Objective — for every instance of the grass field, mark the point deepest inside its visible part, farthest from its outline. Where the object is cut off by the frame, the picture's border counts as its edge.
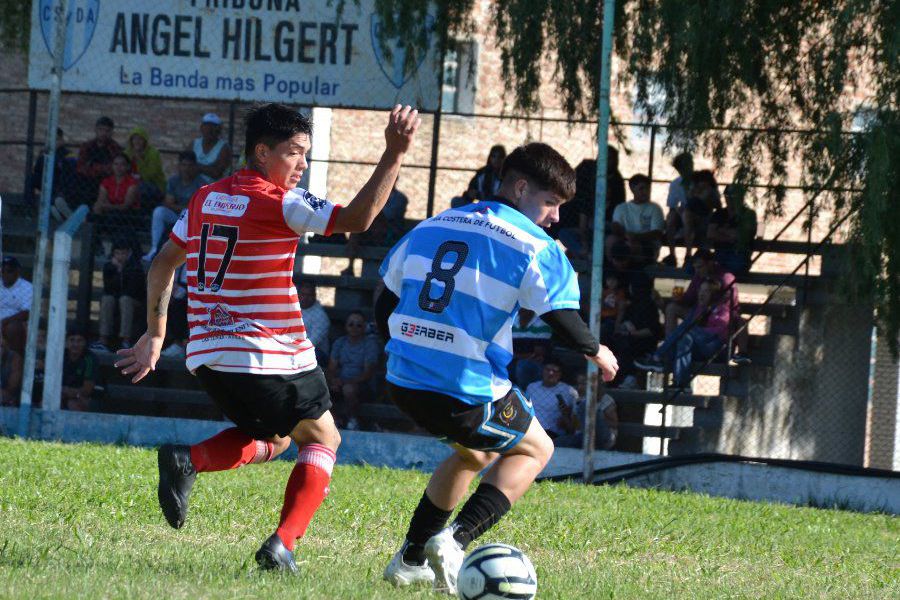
(82, 521)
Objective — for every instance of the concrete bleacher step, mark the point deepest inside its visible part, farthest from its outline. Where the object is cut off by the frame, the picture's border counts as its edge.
(340, 251)
(769, 279)
(652, 431)
(644, 397)
(340, 281)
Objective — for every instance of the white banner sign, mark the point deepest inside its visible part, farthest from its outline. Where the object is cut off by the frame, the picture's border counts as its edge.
(295, 51)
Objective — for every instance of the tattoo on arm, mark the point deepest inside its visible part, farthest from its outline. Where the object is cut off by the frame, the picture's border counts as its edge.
(162, 303)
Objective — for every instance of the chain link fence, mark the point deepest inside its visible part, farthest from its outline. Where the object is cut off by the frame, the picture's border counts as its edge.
(802, 389)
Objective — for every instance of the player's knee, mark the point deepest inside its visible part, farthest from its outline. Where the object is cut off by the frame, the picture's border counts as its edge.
(544, 449)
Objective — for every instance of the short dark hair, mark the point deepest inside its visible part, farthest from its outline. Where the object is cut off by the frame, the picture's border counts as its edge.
(704, 176)
(638, 178)
(106, 121)
(543, 166)
(308, 284)
(187, 155)
(121, 155)
(680, 159)
(271, 124)
(357, 313)
(704, 254)
(76, 330)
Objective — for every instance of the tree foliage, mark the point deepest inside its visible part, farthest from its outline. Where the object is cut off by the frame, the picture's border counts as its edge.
(758, 85)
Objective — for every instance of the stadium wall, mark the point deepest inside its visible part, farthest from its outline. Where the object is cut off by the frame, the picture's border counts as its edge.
(394, 450)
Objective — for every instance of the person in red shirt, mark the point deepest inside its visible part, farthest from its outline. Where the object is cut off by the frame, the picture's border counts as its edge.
(119, 191)
(248, 344)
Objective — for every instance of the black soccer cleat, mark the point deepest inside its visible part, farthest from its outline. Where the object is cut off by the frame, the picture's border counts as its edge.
(274, 556)
(176, 478)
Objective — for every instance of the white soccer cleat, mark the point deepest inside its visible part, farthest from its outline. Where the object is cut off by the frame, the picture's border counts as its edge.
(445, 556)
(400, 574)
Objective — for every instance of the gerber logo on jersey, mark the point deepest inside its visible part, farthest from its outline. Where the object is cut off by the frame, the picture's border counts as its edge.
(225, 205)
(413, 330)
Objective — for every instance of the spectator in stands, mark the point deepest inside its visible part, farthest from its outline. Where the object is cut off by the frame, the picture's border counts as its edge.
(607, 421)
(705, 267)
(554, 402)
(95, 160)
(394, 215)
(732, 230)
(676, 201)
(612, 304)
(640, 222)
(213, 153)
(576, 218)
(703, 200)
(15, 304)
(486, 181)
(531, 347)
(10, 375)
(64, 178)
(354, 358)
(699, 337)
(316, 321)
(147, 165)
(119, 192)
(123, 291)
(638, 333)
(79, 373)
(179, 190)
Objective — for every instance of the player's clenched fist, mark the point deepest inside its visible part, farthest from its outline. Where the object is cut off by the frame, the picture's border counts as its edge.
(402, 125)
(606, 362)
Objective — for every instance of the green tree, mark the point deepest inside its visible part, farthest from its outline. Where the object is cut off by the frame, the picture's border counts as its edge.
(734, 75)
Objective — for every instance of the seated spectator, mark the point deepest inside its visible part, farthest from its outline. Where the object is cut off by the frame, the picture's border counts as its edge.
(147, 165)
(351, 367)
(316, 321)
(554, 402)
(640, 222)
(732, 230)
(699, 337)
(177, 329)
(638, 332)
(677, 201)
(179, 190)
(15, 304)
(213, 153)
(531, 347)
(461, 200)
(65, 184)
(607, 429)
(118, 192)
(612, 300)
(576, 217)
(703, 200)
(79, 373)
(123, 291)
(394, 214)
(486, 181)
(10, 374)
(95, 160)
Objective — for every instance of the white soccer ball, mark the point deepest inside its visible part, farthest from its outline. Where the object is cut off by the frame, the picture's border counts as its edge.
(494, 572)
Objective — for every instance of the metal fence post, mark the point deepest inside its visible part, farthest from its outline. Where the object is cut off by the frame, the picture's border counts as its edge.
(34, 316)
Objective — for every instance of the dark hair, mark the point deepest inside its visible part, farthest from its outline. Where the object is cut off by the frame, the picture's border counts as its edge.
(553, 363)
(612, 158)
(680, 159)
(638, 178)
(121, 155)
(122, 244)
(543, 166)
(357, 313)
(703, 254)
(59, 132)
(105, 121)
(704, 176)
(309, 284)
(271, 124)
(76, 330)
(497, 148)
(187, 155)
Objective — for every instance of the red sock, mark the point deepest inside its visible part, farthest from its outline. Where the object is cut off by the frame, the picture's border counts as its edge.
(229, 450)
(306, 488)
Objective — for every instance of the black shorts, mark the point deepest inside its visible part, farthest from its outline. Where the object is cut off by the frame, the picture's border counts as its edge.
(495, 427)
(263, 406)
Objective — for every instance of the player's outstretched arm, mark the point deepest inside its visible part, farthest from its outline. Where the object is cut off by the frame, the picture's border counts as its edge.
(141, 358)
(399, 133)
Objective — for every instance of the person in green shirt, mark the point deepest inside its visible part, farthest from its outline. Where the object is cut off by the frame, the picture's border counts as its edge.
(146, 162)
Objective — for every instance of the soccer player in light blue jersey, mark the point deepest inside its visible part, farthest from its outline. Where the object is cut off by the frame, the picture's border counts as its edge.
(453, 286)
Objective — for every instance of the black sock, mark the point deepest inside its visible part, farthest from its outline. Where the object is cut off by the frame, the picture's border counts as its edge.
(426, 521)
(484, 508)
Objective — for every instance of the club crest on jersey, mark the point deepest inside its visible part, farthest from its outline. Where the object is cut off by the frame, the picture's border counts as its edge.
(219, 317)
(225, 205)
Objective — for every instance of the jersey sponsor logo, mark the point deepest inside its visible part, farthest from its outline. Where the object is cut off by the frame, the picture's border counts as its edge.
(508, 413)
(225, 205)
(413, 330)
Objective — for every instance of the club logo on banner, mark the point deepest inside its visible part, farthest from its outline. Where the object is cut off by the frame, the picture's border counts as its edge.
(393, 67)
(81, 22)
(293, 51)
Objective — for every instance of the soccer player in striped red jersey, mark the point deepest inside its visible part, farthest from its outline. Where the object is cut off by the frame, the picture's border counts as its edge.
(248, 345)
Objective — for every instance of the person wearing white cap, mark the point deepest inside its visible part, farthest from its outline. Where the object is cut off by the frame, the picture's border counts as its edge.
(213, 153)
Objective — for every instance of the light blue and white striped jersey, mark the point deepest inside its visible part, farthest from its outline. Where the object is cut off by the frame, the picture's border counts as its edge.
(461, 277)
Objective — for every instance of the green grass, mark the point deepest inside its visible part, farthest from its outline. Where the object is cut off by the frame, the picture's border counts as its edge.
(82, 521)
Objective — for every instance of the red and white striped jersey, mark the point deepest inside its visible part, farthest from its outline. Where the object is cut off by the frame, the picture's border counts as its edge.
(240, 235)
